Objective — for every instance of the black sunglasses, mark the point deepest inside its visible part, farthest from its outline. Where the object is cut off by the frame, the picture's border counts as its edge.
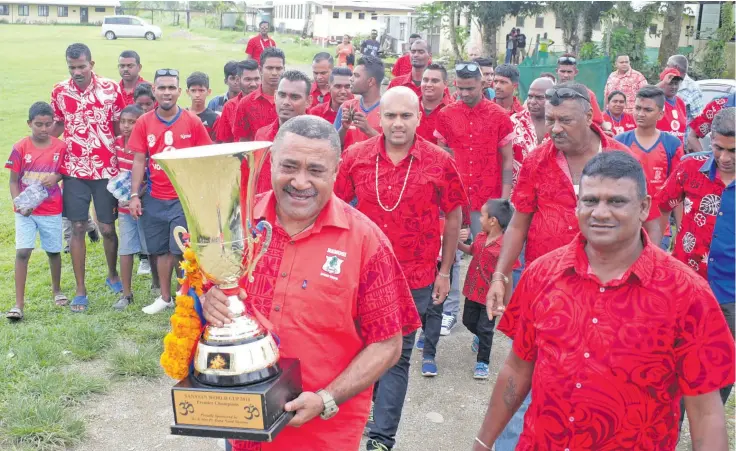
(167, 73)
(556, 95)
(567, 60)
(472, 67)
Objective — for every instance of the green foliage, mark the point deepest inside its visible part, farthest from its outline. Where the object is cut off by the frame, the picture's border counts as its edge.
(713, 61)
(141, 361)
(589, 51)
(39, 423)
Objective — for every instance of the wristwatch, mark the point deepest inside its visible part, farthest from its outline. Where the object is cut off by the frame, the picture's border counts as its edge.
(331, 408)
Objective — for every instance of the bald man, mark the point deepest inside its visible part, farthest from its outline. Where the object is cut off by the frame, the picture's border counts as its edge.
(474, 51)
(535, 104)
(404, 184)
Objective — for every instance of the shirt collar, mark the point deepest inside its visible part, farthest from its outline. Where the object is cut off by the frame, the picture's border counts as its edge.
(710, 168)
(92, 82)
(414, 151)
(332, 214)
(316, 91)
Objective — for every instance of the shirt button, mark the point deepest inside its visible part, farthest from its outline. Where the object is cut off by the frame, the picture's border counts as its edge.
(578, 385)
(277, 308)
(572, 419)
(710, 259)
(283, 274)
(385, 225)
(292, 242)
(720, 213)
(602, 289)
(586, 355)
(567, 449)
(569, 228)
(595, 320)
(389, 187)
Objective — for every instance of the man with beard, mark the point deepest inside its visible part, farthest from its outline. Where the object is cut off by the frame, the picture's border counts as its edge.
(249, 79)
(420, 58)
(403, 184)
(359, 119)
(260, 42)
(402, 66)
(257, 108)
(339, 94)
(87, 111)
(322, 65)
(129, 67)
(292, 99)
(165, 129)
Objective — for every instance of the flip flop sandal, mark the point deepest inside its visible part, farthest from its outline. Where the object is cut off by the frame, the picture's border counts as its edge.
(60, 300)
(116, 287)
(14, 314)
(81, 303)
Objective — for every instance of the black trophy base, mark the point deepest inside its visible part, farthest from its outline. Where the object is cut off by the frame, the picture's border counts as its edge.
(249, 412)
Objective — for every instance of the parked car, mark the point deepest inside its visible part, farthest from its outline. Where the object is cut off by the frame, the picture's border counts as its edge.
(114, 27)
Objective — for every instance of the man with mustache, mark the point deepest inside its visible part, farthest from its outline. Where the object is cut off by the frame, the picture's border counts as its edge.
(249, 79)
(292, 99)
(420, 59)
(260, 42)
(332, 288)
(545, 198)
(403, 183)
(402, 66)
(339, 94)
(129, 67)
(87, 111)
(257, 109)
(164, 129)
(322, 65)
(610, 332)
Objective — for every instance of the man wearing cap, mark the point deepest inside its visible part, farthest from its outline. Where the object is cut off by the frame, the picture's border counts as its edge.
(689, 91)
(675, 114)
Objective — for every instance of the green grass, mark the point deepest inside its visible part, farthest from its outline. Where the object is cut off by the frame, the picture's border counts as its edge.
(44, 359)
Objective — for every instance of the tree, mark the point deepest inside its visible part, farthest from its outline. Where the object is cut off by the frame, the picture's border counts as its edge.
(445, 14)
(593, 14)
(570, 18)
(670, 31)
(489, 16)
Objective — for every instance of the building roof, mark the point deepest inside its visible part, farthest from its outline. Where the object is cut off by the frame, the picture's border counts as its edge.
(107, 3)
(366, 6)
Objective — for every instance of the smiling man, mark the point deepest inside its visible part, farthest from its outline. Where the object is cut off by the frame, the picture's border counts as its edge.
(339, 94)
(610, 332)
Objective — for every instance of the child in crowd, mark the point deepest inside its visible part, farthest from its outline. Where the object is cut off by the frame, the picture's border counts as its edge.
(131, 239)
(35, 160)
(495, 216)
(198, 88)
(143, 97)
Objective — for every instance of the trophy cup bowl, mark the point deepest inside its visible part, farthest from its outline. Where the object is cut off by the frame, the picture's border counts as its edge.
(239, 385)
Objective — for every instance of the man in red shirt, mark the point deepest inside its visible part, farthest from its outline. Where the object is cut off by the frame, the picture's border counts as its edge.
(478, 133)
(674, 120)
(433, 100)
(249, 79)
(260, 42)
(129, 66)
(292, 100)
(402, 66)
(322, 65)
(567, 69)
(359, 119)
(332, 288)
(257, 108)
(420, 56)
(535, 101)
(505, 83)
(87, 110)
(339, 94)
(165, 129)
(384, 173)
(610, 332)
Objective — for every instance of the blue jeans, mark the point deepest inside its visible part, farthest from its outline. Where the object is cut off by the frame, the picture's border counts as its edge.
(390, 390)
(509, 55)
(509, 437)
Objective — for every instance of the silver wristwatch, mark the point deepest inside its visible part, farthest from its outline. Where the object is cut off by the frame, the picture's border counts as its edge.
(331, 408)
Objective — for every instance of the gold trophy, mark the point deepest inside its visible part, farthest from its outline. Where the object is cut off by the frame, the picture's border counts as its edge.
(239, 385)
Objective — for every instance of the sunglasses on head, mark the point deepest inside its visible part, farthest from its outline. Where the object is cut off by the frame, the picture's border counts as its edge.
(167, 73)
(567, 60)
(556, 95)
(472, 67)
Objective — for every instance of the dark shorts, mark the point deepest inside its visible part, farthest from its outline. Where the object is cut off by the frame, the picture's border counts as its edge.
(77, 194)
(158, 220)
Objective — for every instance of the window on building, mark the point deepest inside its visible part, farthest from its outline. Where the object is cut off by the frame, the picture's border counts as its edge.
(23, 10)
(374, 16)
(519, 21)
(361, 16)
(709, 20)
(336, 14)
(62, 11)
(539, 22)
(43, 10)
(348, 15)
(653, 29)
(558, 22)
(301, 11)
(4, 10)
(99, 9)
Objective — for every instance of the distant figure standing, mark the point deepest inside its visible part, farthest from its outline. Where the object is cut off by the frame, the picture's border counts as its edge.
(544, 45)
(370, 47)
(257, 44)
(510, 44)
(520, 50)
(345, 52)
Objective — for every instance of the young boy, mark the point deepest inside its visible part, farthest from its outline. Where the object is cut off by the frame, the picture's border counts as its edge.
(495, 216)
(143, 97)
(130, 236)
(36, 159)
(232, 81)
(198, 88)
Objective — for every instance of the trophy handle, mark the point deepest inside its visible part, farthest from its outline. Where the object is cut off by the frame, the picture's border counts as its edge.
(178, 232)
(261, 226)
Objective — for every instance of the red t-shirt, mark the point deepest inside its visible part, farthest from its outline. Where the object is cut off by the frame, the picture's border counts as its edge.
(597, 115)
(128, 96)
(329, 291)
(402, 66)
(612, 360)
(254, 111)
(422, 185)
(224, 129)
(659, 161)
(33, 165)
(674, 120)
(481, 267)
(476, 136)
(353, 135)
(325, 111)
(256, 46)
(622, 124)
(151, 135)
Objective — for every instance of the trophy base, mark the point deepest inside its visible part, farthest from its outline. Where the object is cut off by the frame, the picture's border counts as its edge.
(251, 412)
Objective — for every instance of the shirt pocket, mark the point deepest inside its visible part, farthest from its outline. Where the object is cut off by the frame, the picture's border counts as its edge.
(326, 306)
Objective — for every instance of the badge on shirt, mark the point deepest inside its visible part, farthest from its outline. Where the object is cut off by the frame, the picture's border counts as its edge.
(151, 140)
(332, 265)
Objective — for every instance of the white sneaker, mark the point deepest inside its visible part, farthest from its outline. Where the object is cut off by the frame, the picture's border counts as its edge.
(448, 322)
(158, 306)
(144, 267)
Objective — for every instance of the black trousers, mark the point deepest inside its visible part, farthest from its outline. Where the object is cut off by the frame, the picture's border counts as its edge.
(475, 318)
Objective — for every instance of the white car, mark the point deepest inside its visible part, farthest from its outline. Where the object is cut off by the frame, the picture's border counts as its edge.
(114, 27)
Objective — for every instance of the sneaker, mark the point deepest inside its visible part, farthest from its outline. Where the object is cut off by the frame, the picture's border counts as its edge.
(375, 445)
(123, 302)
(420, 341)
(144, 267)
(481, 371)
(475, 344)
(429, 367)
(159, 305)
(448, 322)
(370, 424)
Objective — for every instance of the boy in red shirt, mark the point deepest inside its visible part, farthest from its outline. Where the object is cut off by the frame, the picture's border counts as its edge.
(34, 160)
(495, 216)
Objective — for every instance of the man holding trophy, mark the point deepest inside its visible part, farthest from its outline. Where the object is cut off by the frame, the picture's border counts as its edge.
(328, 285)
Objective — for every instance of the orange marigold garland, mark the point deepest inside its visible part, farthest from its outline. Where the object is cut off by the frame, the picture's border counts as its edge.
(186, 324)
